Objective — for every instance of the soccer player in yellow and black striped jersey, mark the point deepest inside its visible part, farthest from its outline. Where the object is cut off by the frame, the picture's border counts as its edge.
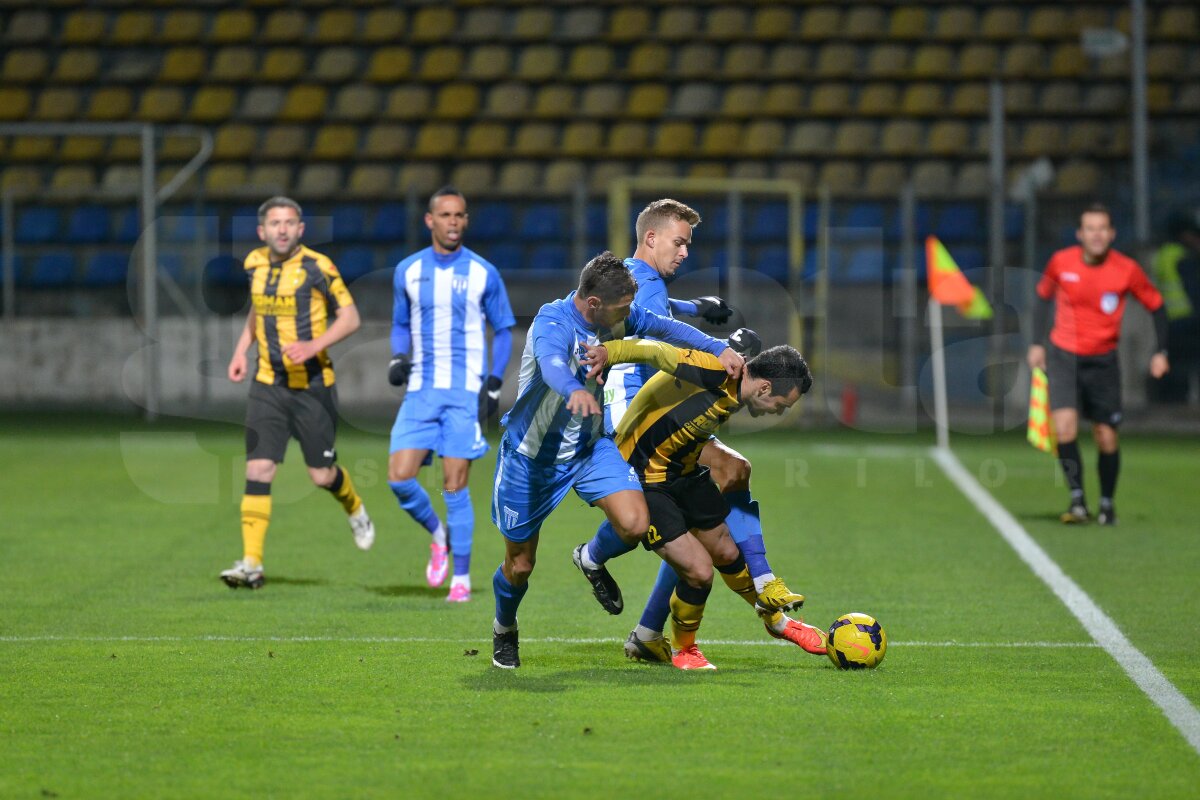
(299, 307)
(661, 435)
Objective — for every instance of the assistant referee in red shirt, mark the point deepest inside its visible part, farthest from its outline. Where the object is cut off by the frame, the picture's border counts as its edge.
(1087, 285)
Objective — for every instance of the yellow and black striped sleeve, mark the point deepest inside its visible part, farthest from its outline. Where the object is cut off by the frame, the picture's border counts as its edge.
(694, 366)
(334, 288)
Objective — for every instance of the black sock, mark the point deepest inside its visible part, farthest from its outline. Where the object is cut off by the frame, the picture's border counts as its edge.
(1068, 457)
(1110, 465)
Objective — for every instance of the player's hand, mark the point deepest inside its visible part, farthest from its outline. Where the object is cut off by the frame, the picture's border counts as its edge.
(300, 351)
(237, 367)
(1036, 357)
(595, 358)
(713, 309)
(582, 403)
(1159, 365)
(489, 398)
(732, 362)
(399, 369)
(745, 342)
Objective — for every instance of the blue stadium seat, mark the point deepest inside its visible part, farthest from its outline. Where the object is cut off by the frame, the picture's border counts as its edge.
(865, 215)
(772, 261)
(507, 257)
(88, 225)
(960, 222)
(549, 258)
(243, 226)
(38, 225)
(390, 223)
(968, 257)
(768, 222)
(225, 270)
(393, 257)
(106, 269)
(490, 222)
(924, 216)
(172, 264)
(1014, 221)
(597, 222)
(714, 222)
(810, 263)
(542, 223)
(130, 226)
(865, 265)
(53, 269)
(349, 224)
(354, 262)
(184, 226)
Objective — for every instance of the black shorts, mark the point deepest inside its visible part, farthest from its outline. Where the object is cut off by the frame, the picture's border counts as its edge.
(677, 506)
(276, 413)
(1091, 384)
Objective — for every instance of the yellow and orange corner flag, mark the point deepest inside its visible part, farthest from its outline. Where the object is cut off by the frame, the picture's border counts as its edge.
(1040, 432)
(947, 284)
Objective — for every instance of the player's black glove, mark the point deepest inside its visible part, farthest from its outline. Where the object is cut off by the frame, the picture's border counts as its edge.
(745, 343)
(713, 309)
(399, 369)
(489, 398)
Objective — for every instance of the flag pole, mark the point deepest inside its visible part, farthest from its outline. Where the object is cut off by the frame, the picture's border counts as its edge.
(940, 413)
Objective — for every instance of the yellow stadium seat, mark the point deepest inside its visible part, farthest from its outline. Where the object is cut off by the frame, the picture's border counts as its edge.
(22, 178)
(319, 180)
(698, 60)
(508, 100)
(29, 26)
(86, 26)
(234, 64)
(1119, 142)
(436, 140)
(15, 103)
(433, 24)
(830, 99)
(554, 101)
(181, 26)
(177, 148)
(628, 24)
(1067, 61)
(742, 100)
(81, 148)
(583, 139)
(694, 100)
(1115, 67)
(25, 65)
(1178, 22)
(1050, 22)
(883, 177)
(602, 100)
(121, 177)
(888, 60)
(383, 25)
(726, 23)
(783, 100)
(486, 140)
(978, 61)
(1041, 139)
(745, 61)
(77, 66)
(811, 138)
(647, 100)
(1060, 96)
(590, 62)
(356, 102)
(628, 139)
(956, 23)
(580, 24)
(1189, 98)
(1165, 61)
(539, 62)
(232, 25)
(1019, 97)
(488, 62)
(1159, 97)
(678, 24)
(1090, 16)
(789, 62)
(933, 62)
(909, 22)
(1087, 137)
(533, 24)
(1001, 22)
(407, 101)
(933, 177)
(773, 23)
(1077, 177)
(387, 142)
(865, 22)
(268, 179)
(855, 138)
(420, 177)
(109, 103)
(563, 176)
(949, 138)
(901, 138)
(535, 139)
(1024, 60)
(336, 64)
(390, 65)
(235, 141)
(31, 148)
(922, 98)
(752, 170)
(132, 28)
(840, 176)
(720, 139)
(371, 180)
(223, 179)
(674, 139)
(709, 169)
(837, 60)
(764, 138)
(661, 168)
(57, 104)
(183, 65)
(335, 142)
(473, 177)
(73, 179)
(284, 142)
(304, 103)
(212, 104)
(972, 180)
(648, 60)
(335, 26)
(285, 26)
(284, 64)
(878, 99)
(821, 23)
(261, 103)
(482, 24)
(519, 177)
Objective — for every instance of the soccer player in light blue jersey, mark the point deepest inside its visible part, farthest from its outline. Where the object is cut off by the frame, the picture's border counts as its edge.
(444, 295)
(554, 437)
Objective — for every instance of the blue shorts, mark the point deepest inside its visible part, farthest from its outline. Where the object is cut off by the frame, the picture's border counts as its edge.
(443, 422)
(524, 493)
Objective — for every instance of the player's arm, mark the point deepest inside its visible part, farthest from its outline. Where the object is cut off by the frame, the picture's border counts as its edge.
(552, 343)
(1043, 315)
(1152, 300)
(345, 323)
(500, 317)
(400, 366)
(642, 322)
(237, 364)
(693, 366)
(711, 308)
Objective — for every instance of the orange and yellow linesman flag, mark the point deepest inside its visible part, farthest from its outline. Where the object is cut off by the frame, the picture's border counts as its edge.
(948, 285)
(1040, 432)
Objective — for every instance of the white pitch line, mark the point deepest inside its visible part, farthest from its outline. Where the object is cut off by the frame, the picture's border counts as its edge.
(1177, 708)
(532, 640)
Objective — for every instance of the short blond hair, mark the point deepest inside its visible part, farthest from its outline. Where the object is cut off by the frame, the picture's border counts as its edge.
(660, 212)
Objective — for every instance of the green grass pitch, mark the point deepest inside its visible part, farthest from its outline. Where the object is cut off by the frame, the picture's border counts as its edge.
(129, 670)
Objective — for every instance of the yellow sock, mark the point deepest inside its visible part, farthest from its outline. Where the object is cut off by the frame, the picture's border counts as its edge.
(740, 581)
(686, 614)
(343, 489)
(256, 517)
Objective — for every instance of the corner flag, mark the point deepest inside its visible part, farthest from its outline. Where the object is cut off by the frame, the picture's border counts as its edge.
(1039, 432)
(948, 286)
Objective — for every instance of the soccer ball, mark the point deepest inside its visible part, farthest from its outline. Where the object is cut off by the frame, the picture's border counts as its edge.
(856, 641)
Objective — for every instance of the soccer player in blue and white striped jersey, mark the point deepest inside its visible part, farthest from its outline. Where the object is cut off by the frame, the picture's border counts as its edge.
(444, 295)
(554, 437)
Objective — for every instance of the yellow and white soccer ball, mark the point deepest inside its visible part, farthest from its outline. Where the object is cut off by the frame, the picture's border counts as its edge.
(856, 641)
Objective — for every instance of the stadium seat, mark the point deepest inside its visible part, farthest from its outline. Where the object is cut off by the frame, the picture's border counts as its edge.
(336, 142)
(837, 60)
(77, 66)
(726, 23)
(212, 104)
(81, 148)
(970, 99)
(933, 62)
(261, 103)
(232, 25)
(371, 180)
(481, 24)
(744, 61)
(284, 142)
(957, 23)
(972, 180)
(648, 61)
(160, 104)
(335, 26)
(1178, 22)
(549, 258)
(84, 26)
(73, 180)
(830, 99)
(268, 179)
(647, 100)
(488, 62)
(811, 138)
(542, 222)
(865, 22)
(31, 148)
(384, 25)
(408, 102)
(888, 60)
(284, 26)
(336, 65)
(441, 63)
(590, 62)
(949, 138)
(820, 23)
(391, 223)
(783, 100)
(959, 222)
(38, 225)
(882, 178)
(506, 257)
(978, 61)
(357, 102)
(456, 101)
(773, 22)
(628, 139)
(602, 100)
(224, 179)
(772, 261)
(182, 26)
(909, 22)
(492, 222)
(694, 100)
(720, 139)
(183, 65)
(29, 26)
(432, 24)
(354, 262)
(422, 178)
(57, 104)
(1077, 177)
(678, 24)
(878, 100)
(1041, 139)
(508, 100)
(55, 268)
(789, 62)
(1001, 22)
(1049, 22)
(674, 140)
(855, 137)
(486, 140)
(535, 139)
(106, 269)
(284, 64)
(390, 65)
(539, 62)
(15, 103)
(87, 225)
(234, 64)
(533, 23)
(901, 138)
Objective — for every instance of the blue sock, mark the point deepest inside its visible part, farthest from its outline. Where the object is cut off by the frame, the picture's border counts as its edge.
(508, 598)
(415, 500)
(658, 606)
(606, 544)
(460, 519)
(746, 530)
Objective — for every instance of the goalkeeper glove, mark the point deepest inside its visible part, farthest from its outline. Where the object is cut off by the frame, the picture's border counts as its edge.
(489, 398)
(745, 343)
(713, 309)
(399, 369)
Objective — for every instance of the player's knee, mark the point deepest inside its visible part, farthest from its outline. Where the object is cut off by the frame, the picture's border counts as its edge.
(260, 471)
(397, 473)
(454, 484)
(738, 479)
(698, 575)
(632, 524)
(323, 476)
(519, 568)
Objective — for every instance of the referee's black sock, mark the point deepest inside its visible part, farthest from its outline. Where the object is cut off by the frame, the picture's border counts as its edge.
(1068, 457)
(1110, 466)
